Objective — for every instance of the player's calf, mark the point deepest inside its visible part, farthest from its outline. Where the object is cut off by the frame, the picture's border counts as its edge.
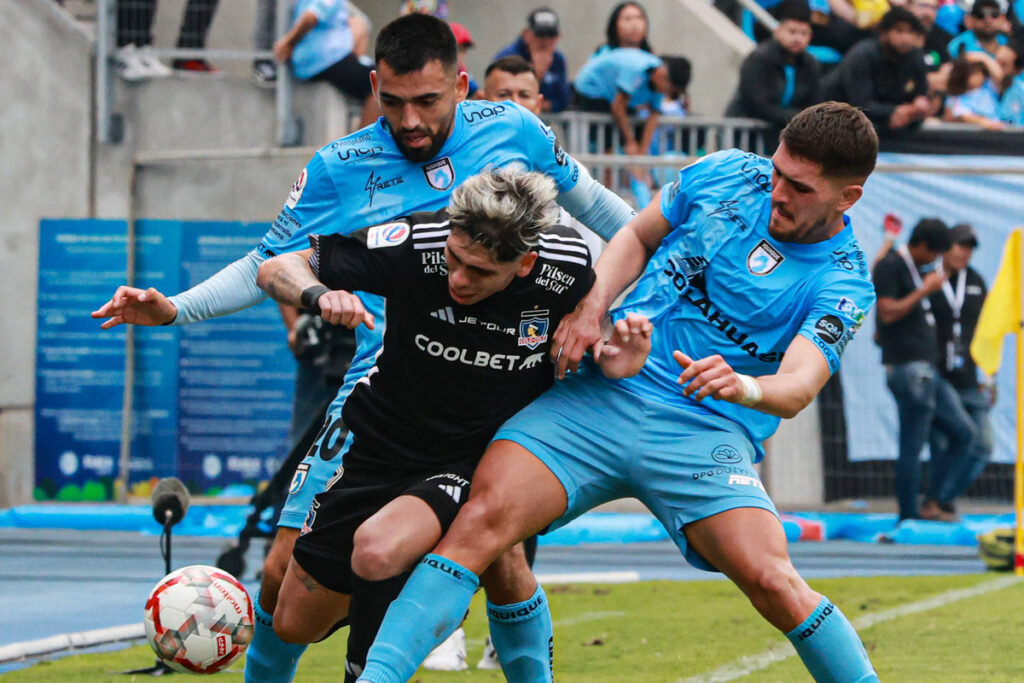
(306, 610)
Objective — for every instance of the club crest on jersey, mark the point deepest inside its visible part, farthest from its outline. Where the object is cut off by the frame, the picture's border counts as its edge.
(295, 194)
(533, 329)
(387, 235)
(763, 259)
(440, 174)
(299, 478)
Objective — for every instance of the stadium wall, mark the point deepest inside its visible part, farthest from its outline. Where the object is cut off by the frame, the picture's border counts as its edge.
(46, 141)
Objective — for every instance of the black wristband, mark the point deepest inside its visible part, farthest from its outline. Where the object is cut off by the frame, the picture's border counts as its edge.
(311, 295)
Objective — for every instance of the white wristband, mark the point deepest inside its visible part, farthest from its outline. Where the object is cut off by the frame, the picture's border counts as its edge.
(751, 391)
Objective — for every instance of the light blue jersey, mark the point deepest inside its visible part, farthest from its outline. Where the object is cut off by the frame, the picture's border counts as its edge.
(362, 180)
(982, 101)
(327, 43)
(1011, 106)
(720, 284)
(622, 69)
(968, 42)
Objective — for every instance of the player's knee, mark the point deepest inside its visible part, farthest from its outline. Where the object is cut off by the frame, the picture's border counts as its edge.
(777, 585)
(486, 524)
(290, 626)
(375, 555)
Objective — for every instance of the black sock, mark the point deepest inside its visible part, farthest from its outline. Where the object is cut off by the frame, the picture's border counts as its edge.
(370, 601)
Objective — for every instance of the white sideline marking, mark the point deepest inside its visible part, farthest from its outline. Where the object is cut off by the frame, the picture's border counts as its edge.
(748, 664)
(588, 616)
(589, 577)
(71, 641)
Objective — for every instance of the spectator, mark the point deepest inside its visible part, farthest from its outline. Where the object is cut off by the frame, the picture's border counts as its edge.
(986, 28)
(627, 27)
(779, 79)
(537, 45)
(135, 60)
(973, 93)
(464, 41)
(264, 71)
(957, 308)
(624, 81)
(1011, 105)
(885, 76)
(320, 46)
(904, 279)
(936, 39)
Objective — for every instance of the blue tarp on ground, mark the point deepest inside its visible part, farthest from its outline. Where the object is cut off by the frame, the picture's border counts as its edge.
(593, 527)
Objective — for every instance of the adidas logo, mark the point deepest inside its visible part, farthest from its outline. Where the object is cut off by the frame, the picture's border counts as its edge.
(446, 314)
(454, 491)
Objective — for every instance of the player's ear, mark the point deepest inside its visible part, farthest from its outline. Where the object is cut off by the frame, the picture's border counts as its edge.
(461, 86)
(374, 84)
(526, 263)
(849, 196)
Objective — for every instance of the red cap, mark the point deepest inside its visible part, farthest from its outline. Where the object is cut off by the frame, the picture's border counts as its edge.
(463, 38)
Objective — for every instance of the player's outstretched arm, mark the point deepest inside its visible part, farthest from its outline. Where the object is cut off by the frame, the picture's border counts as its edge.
(625, 352)
(620, 263)
(289, 279)
(801, 375)
(133, 306)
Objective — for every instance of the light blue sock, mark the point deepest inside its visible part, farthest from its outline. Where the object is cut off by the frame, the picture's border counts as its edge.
(429, 608)
(268, 658)
(830, 648)
(524, 638)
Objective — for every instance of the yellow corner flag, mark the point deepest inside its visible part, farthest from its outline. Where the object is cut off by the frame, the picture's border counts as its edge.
(1001, 313)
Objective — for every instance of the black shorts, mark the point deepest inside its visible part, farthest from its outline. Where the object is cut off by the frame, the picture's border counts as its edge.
(324, 549)
(349, 75)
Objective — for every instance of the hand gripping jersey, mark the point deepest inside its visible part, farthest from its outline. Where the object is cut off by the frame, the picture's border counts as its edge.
(362, 179)
(448, 374)
(720, 284)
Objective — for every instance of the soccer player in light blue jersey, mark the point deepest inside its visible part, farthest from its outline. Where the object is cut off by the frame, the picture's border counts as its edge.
(754, 285)
(427, 142)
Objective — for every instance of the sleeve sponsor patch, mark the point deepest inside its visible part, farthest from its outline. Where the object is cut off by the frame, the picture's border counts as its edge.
(387, 235)
(295, 194)
(829, 328)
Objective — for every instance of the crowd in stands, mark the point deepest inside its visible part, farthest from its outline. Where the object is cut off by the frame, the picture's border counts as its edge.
(902, 62)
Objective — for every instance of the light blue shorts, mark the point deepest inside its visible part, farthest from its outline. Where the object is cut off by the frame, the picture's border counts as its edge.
(603, 443)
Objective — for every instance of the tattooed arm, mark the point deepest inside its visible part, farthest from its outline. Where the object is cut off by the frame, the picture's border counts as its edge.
(289, 279)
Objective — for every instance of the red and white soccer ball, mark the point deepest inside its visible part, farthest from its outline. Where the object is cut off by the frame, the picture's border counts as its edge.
(199, 619)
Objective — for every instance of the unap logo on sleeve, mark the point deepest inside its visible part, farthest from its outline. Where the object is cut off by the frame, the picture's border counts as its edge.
(533, 329)
(296, 192)
(387, 235)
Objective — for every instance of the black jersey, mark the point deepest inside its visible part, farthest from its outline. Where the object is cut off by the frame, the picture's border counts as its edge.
(448, 375)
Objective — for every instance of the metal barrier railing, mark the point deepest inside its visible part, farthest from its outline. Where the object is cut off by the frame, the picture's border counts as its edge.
(110, 126)
(583, 132)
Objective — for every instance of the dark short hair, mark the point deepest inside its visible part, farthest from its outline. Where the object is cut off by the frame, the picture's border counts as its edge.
(792, 10)
(960, 74)
(411, 42)
(900, 15)
(933, 233)
(678, 71)
(611, 31)
(835, 135)
(513, 64)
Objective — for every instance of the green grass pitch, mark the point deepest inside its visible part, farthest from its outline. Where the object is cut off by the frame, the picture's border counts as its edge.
(663, 632)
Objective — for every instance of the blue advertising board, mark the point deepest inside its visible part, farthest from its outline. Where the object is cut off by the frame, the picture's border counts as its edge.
(212, 402)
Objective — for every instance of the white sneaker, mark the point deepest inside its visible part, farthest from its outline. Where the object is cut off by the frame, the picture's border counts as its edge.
(154, 67)
(129, 63)
(449, 655)
(490, 657)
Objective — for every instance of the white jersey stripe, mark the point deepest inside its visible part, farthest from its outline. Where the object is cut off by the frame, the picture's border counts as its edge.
(562, 257)
(565, 247)
(561, 238)
(427, 235)
(428, 245)
(422, 226)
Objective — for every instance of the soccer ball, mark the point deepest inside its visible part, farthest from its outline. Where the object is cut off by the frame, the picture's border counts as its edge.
(198, 619)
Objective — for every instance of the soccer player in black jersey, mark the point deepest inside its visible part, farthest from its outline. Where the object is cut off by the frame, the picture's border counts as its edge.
(472, 293)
